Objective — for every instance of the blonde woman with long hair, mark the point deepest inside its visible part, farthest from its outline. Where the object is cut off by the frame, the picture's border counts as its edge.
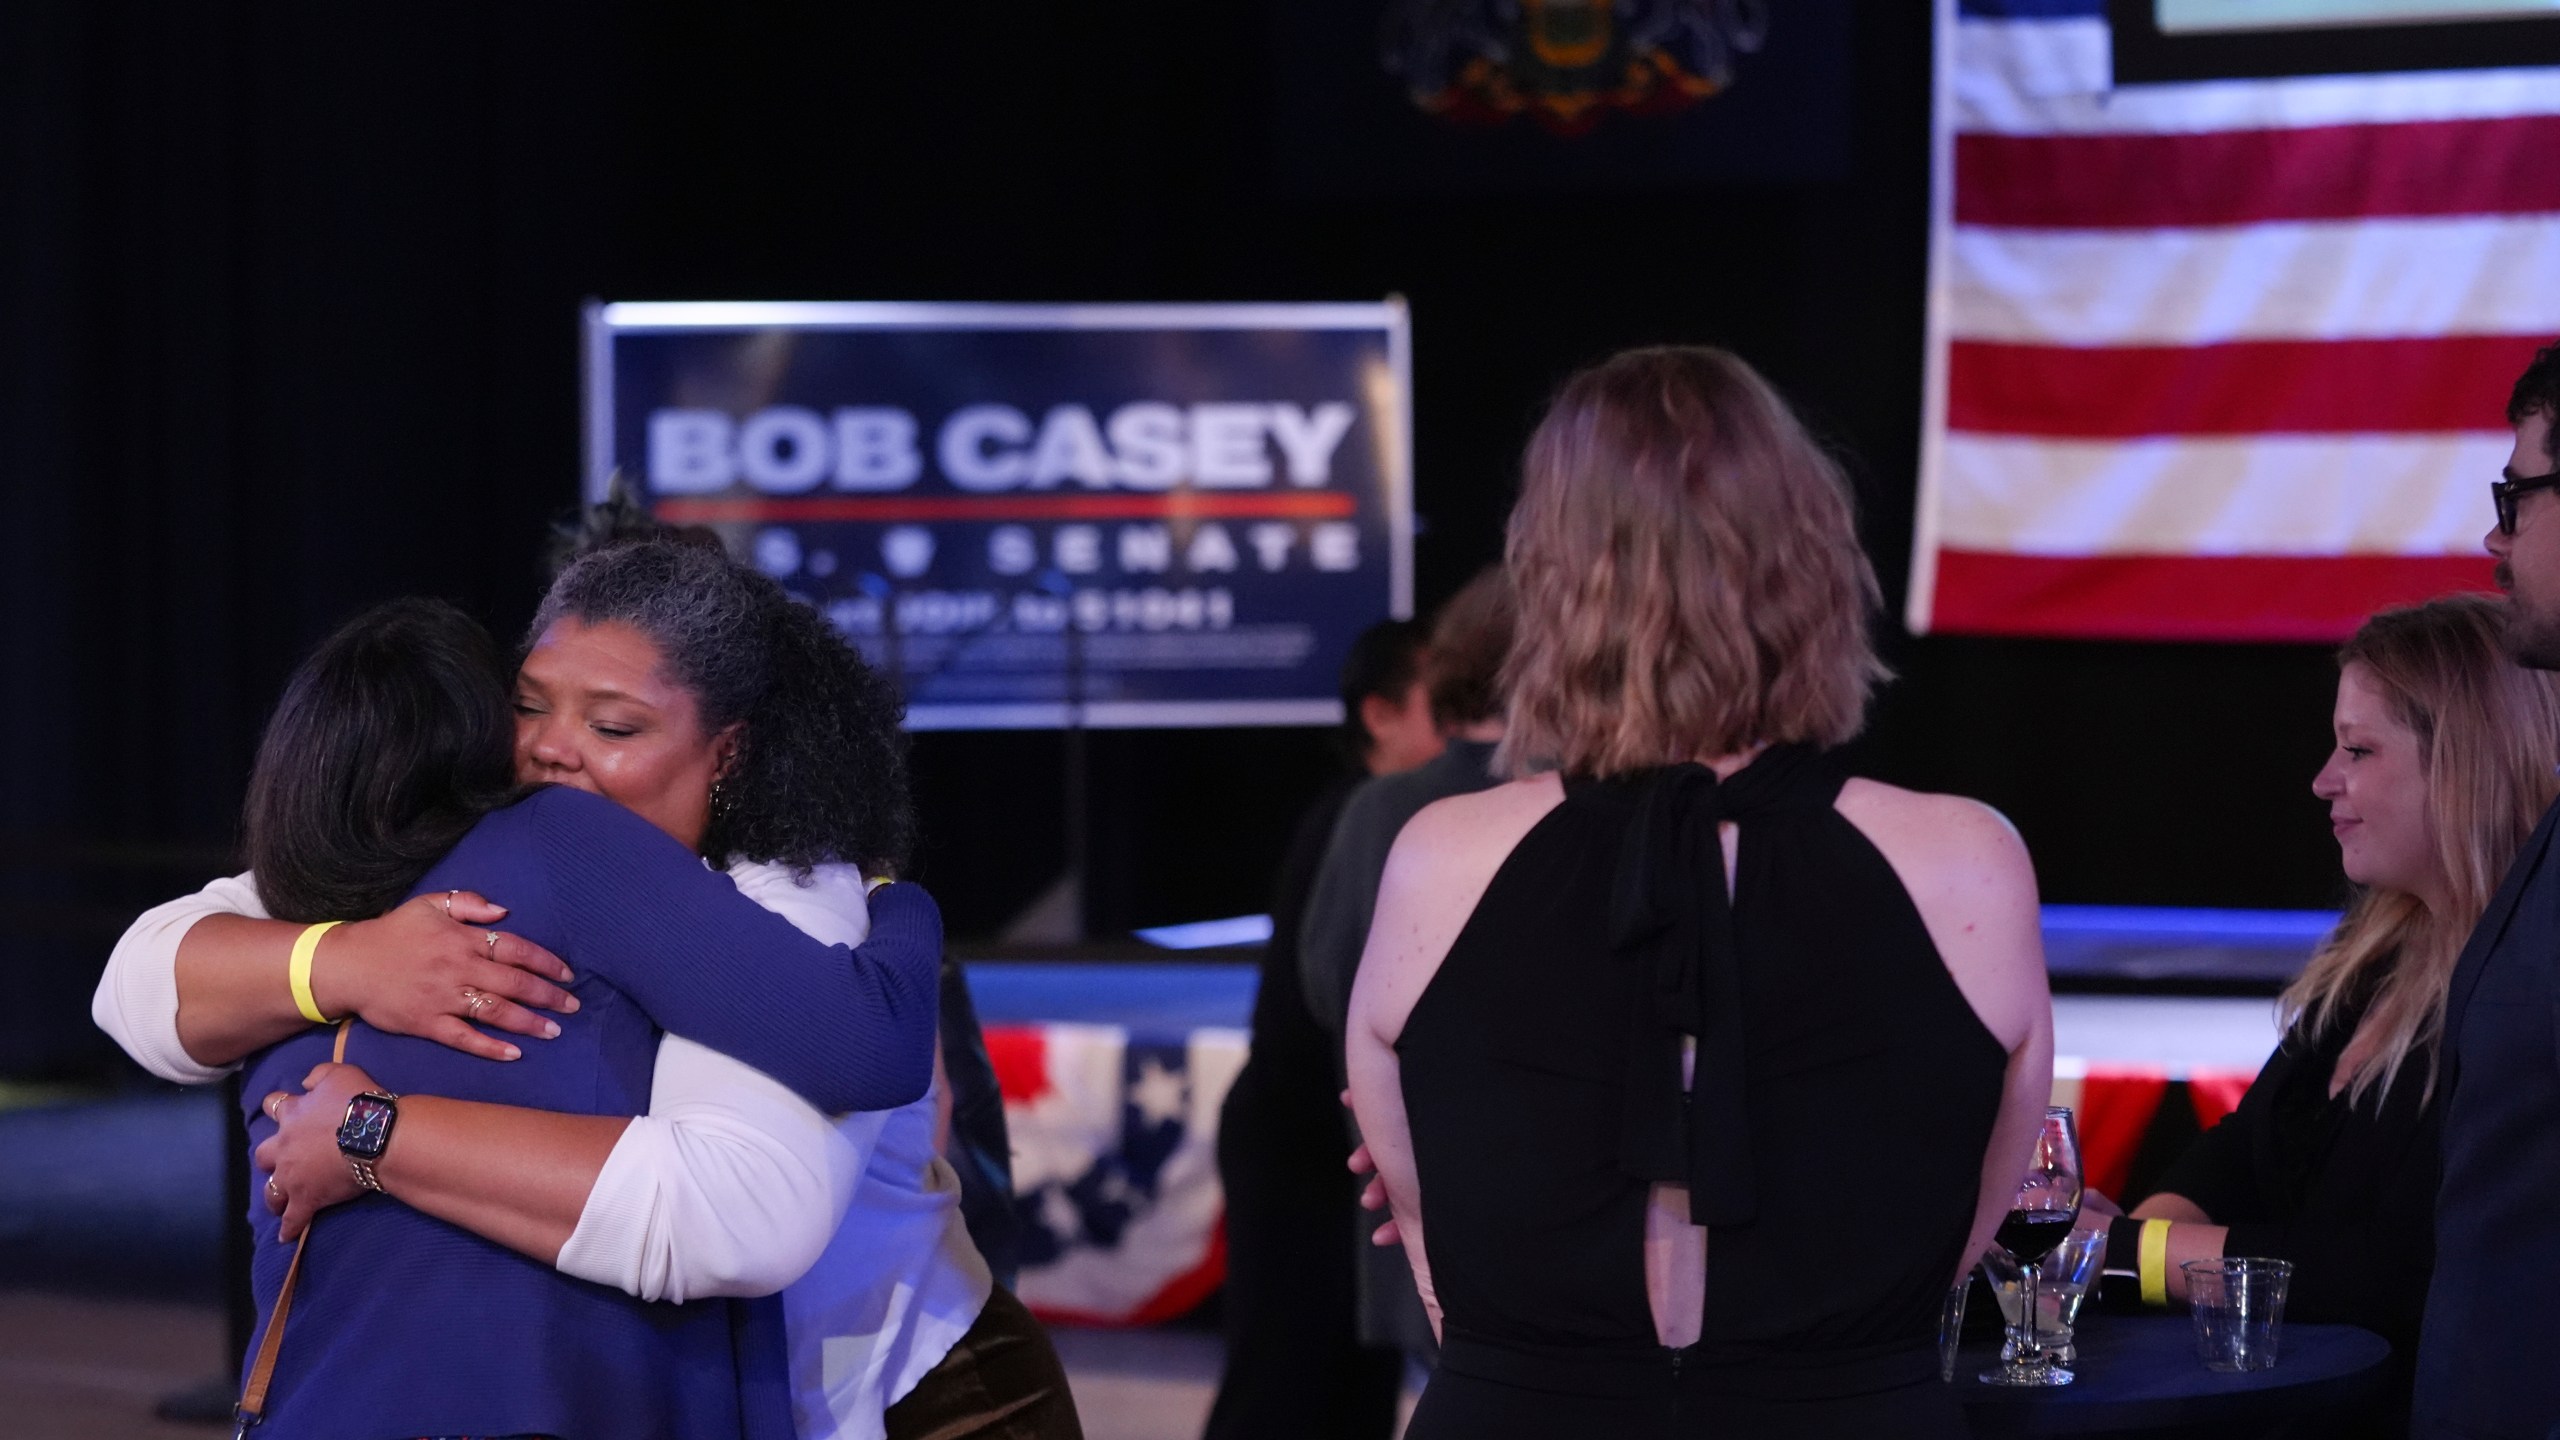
(2443, 761)
(1633, 1033)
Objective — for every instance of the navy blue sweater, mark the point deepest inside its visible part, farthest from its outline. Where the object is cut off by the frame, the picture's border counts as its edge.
(403, 1325)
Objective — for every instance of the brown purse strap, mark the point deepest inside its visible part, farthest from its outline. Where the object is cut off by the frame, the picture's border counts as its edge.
(262, 1372)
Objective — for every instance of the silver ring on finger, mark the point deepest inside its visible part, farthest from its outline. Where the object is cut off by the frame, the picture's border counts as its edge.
(476, 1001)
(448, 902)
(493, 944)
(274, 1193)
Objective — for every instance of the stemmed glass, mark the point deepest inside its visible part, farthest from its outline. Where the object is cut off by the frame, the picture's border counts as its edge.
(2040, 1216)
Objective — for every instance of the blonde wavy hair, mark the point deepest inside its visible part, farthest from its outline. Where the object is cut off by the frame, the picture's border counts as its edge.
(1686, 565)
(2488, 733)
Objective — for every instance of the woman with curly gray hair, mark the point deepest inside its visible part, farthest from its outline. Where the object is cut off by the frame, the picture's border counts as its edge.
(693, 691)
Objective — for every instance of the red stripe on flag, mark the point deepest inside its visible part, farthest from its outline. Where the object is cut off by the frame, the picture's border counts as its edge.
(2239, 177)
(2316, 598)
(2454, 382)
(2117, 1106)
(1019, 1055)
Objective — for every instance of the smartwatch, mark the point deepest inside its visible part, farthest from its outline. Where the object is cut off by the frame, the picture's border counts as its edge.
(366, 1132)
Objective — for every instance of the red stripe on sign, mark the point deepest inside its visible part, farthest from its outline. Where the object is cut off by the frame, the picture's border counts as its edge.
(1171, 505)
(2454, 382)
(2239, 177)
(2314, 598)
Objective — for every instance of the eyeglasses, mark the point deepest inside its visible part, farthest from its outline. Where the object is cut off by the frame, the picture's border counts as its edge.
(2507, 491)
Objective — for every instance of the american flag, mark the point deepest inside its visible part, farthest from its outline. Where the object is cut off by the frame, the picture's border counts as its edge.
(2223, 359)
(1115, 1165)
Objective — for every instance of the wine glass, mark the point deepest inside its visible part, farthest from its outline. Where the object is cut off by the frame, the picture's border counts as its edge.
(2040, 1216)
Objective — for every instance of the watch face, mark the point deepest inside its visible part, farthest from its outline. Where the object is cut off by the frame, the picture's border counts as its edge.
(367, 1128)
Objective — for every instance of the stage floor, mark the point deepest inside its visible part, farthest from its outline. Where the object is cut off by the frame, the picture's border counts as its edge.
(75, 1367)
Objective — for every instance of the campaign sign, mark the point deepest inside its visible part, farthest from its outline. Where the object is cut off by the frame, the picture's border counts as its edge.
(1037, 515)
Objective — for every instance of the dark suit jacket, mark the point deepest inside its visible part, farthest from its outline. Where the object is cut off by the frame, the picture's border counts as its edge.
(2489, 1351)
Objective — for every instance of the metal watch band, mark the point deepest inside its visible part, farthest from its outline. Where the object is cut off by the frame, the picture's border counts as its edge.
(364, 1174)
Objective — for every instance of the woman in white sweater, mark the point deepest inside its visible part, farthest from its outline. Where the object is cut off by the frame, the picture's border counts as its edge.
(693, 692)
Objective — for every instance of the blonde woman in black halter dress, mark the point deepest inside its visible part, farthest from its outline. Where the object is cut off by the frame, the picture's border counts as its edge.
(1638, 1037)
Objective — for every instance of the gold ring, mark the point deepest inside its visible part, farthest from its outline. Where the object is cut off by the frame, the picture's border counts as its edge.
(493, 944)
(270, 1106)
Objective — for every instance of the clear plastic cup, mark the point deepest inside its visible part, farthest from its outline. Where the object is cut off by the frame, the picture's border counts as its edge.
(2238, 1306)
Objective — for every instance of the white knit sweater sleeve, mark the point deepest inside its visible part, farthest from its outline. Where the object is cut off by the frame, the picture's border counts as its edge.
(731, 1184)
(137, 999)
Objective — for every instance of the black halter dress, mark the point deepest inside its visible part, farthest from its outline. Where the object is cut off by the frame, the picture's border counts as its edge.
(1832, 1139)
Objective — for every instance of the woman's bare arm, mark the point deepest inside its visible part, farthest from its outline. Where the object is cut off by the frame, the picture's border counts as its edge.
(2192, 1236)
(518, 1177)
(405, 973)
(196, 984)
(1436, 873)
(1974, 885)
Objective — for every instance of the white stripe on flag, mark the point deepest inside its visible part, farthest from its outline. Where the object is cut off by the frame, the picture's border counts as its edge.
(2260, 495)
(2008, 72)
(2320, 280)
(2049, 77)
(2018, 66)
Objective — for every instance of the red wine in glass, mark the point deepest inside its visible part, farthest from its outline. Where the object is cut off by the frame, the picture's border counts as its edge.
(2031, 1235)
(2041, 1211)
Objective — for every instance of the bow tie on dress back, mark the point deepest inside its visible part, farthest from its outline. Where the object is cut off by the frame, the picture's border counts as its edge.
(1671, 922)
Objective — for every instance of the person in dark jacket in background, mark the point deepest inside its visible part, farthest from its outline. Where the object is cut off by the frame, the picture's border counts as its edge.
(1295, 1364)
(1470, 640)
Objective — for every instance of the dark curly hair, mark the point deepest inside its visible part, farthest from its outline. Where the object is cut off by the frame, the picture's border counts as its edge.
(2537, 390)
(821, 772)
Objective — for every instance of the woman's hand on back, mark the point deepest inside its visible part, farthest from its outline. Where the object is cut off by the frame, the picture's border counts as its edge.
(306, 1173)
(428, 968)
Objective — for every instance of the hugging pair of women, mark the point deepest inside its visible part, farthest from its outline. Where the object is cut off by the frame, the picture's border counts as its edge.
(609, 1142)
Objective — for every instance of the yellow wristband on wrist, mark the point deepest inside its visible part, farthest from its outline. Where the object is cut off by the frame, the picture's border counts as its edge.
(2154, 1263)
(877, 883)
(297, 971)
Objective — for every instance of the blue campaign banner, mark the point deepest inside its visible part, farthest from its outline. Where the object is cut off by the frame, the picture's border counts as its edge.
(1127, 515)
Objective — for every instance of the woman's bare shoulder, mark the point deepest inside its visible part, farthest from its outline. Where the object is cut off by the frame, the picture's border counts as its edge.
(1930, 834)
(1461, 826)
(1437, 872)
(1968, 874)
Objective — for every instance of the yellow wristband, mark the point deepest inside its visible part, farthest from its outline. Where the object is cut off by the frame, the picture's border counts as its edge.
(297, 971)
(878, 883)
(2154, 1266)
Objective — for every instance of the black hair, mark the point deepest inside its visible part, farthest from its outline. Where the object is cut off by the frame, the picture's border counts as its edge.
(1385, 661)
(824, 772)
(821, 772)
(2537, 390)
(391, 741)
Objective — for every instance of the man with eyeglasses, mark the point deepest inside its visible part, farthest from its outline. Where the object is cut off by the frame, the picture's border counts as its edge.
(2487, 1352)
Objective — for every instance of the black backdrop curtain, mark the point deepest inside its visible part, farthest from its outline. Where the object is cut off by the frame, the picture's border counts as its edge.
(288, 296)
